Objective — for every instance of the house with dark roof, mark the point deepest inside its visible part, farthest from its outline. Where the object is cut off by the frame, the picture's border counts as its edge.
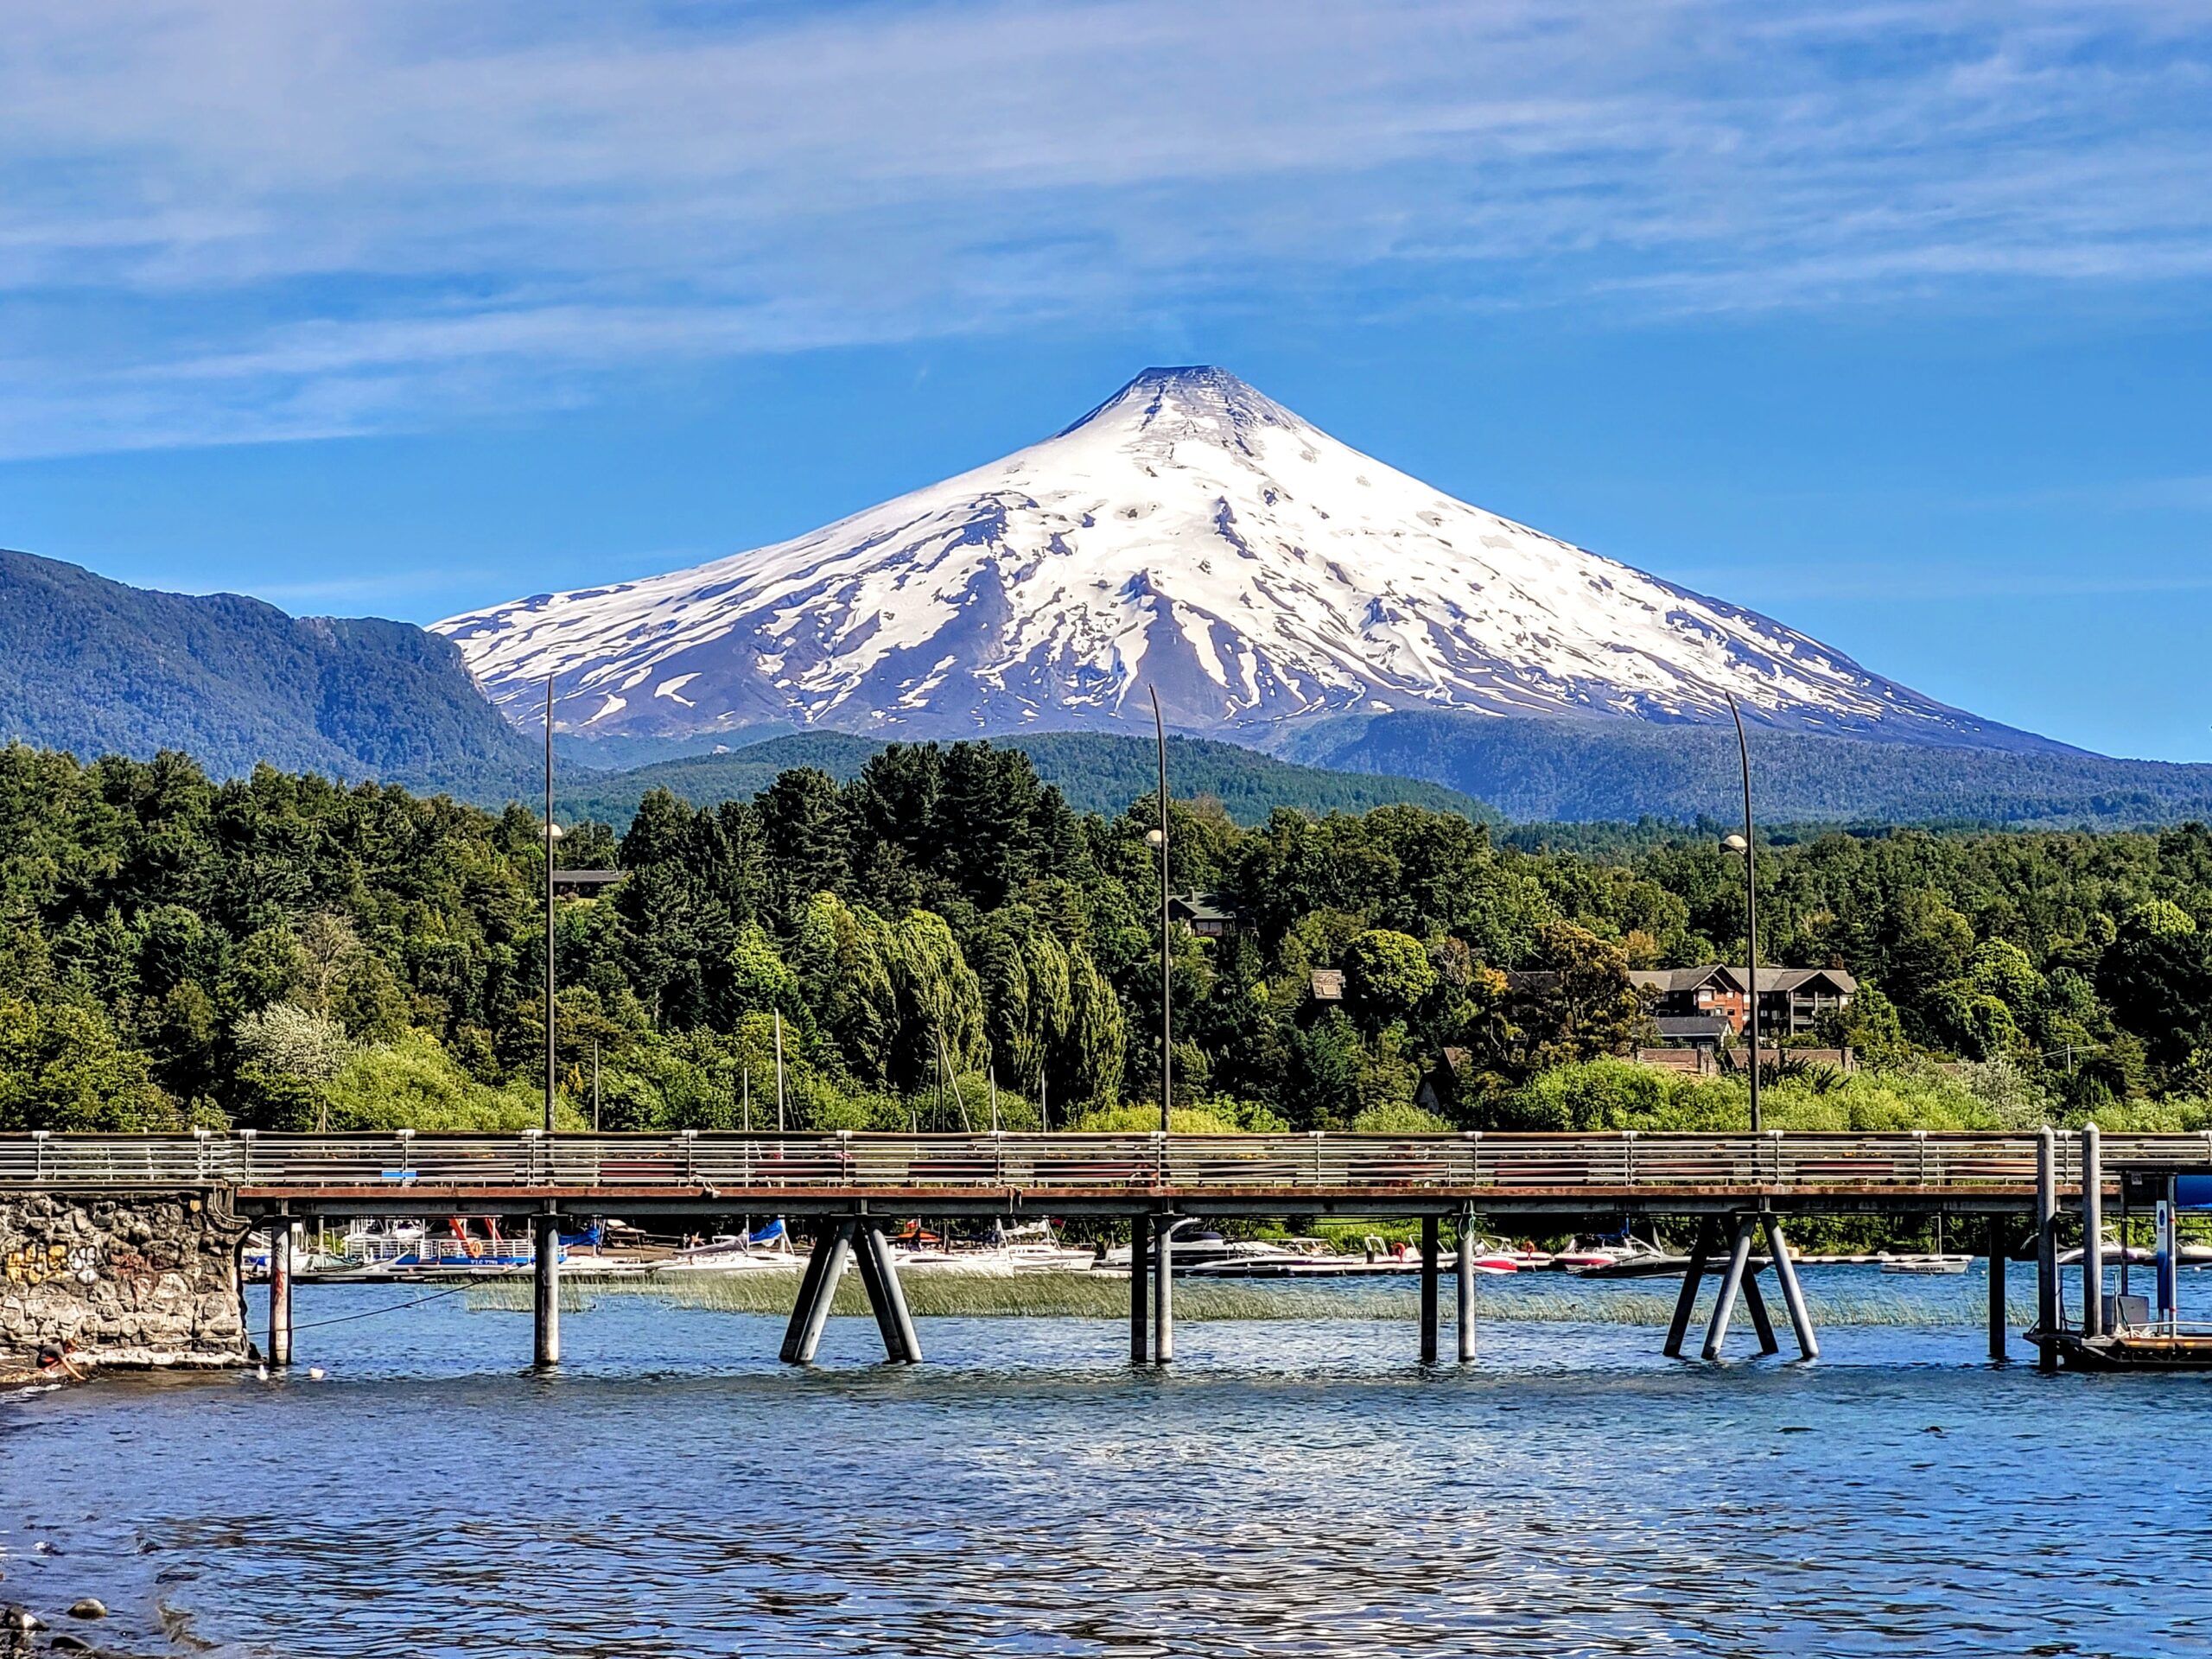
(1791, 999)
(1209, 915)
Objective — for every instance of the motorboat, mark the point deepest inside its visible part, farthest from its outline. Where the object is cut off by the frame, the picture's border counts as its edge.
(1625, 1257)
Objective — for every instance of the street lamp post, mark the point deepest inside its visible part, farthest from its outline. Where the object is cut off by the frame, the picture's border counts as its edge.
(552, 835)
(1747, 844)
(1159, 838)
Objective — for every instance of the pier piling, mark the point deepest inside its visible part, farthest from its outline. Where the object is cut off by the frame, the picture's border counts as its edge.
(1761, 1322)
(280, 1291)
(2046, 1247)
(887, 1297)
(1793, 1294)
(1140, 1290)
(817, 1287)
(1430, 1345)
(1685, 1302)
(1997, 1318)
(546, 1270)
(1163, 1292)
(2093, 1233)
(1465, 1287)
(1732, 1285)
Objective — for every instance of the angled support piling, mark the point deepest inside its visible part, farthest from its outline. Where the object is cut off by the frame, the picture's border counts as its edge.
(1762, 1322)
(817, 1287)
(280, 1291)
(1693, 1276)
(1793, 1294)
(1465, 1287)
(1732, 1285)
(545, 1270)
(2046, 1249)
(1429, 1288)
(1140, 1290)
(901, 1346)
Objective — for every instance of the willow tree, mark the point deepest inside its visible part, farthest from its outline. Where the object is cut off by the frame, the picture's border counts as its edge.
(940, 999)
(842, 955)
(1090, 1059)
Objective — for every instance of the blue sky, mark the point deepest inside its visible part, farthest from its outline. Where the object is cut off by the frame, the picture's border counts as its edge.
(1888, 319)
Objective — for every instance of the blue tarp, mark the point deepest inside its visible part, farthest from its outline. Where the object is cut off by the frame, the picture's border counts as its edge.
(2193, 1192)
(769, 1233)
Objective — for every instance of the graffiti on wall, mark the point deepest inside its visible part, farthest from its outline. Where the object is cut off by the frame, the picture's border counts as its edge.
(38, 1264)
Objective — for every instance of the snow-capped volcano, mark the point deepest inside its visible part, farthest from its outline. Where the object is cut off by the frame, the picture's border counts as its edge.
(1188, 535)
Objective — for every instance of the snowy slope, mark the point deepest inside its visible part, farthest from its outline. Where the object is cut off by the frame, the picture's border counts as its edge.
(1190, 535)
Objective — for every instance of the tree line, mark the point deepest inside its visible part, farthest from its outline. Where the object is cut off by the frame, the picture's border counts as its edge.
(941, 933)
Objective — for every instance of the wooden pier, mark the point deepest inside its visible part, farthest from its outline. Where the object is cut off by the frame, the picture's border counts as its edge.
(1738, 1190)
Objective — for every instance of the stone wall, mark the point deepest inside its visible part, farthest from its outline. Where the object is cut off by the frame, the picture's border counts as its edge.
(138, 1279)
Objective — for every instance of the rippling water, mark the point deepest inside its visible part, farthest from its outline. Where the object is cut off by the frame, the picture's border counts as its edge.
(1295, 1487)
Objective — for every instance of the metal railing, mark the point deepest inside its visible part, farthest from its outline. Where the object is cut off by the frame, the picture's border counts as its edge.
(1775, 1162)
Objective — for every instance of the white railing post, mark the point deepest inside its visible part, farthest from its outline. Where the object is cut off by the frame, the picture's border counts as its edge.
(246, 1138)
(1920, 1148)
(1317, 1138)
(1474, 1140)
(1628, 1157)
(691, 1165)
(39, 1138)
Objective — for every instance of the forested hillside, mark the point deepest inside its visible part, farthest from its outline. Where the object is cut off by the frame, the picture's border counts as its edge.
(281, 951)
(1539, 770)
(97, 667)
(1095, 772)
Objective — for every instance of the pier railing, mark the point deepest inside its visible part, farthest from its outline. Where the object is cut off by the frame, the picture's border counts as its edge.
(1773, 1162)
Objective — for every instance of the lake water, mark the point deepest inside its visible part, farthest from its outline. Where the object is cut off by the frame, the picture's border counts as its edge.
(1293, 1488)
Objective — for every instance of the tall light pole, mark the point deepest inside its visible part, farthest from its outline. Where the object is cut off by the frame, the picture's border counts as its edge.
(552, 835)
(1747, 842)
(1159, 838)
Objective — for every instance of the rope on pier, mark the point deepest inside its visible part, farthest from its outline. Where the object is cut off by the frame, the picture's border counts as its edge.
(347, 1319)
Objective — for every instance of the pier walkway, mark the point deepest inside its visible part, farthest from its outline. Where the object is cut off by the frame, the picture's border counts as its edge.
(1737, 1188)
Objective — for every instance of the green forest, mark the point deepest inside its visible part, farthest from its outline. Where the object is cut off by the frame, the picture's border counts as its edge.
(941, 929)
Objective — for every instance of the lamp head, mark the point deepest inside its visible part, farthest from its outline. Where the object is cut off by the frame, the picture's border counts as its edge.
(1154, 837)
(1736, 844)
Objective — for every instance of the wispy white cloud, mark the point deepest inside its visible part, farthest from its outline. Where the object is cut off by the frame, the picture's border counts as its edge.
(227, 220)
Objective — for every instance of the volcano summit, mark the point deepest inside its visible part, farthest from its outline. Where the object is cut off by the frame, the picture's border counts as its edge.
(1188, 534)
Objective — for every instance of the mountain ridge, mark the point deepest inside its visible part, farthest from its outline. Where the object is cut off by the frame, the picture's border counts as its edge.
(97, 666)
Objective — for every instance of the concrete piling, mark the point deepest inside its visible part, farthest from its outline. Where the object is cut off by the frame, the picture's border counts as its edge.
(1793, 1292)
(1465, 1287)
(817, 1288)
(1430, 1345)
(1685, 1302)
(1997, 1332)
(1762, 1322)
(887, 1297)
(1163, 1293)
(1140, 1290)
(1732, 1285)
(2093, 1233)
(2046, 1246)
(546, 1272)
(280, 1291)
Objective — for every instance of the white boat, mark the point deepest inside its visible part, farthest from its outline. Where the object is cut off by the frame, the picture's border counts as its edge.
(1928, 1264)
(768, 1251)
(1033, 1247)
